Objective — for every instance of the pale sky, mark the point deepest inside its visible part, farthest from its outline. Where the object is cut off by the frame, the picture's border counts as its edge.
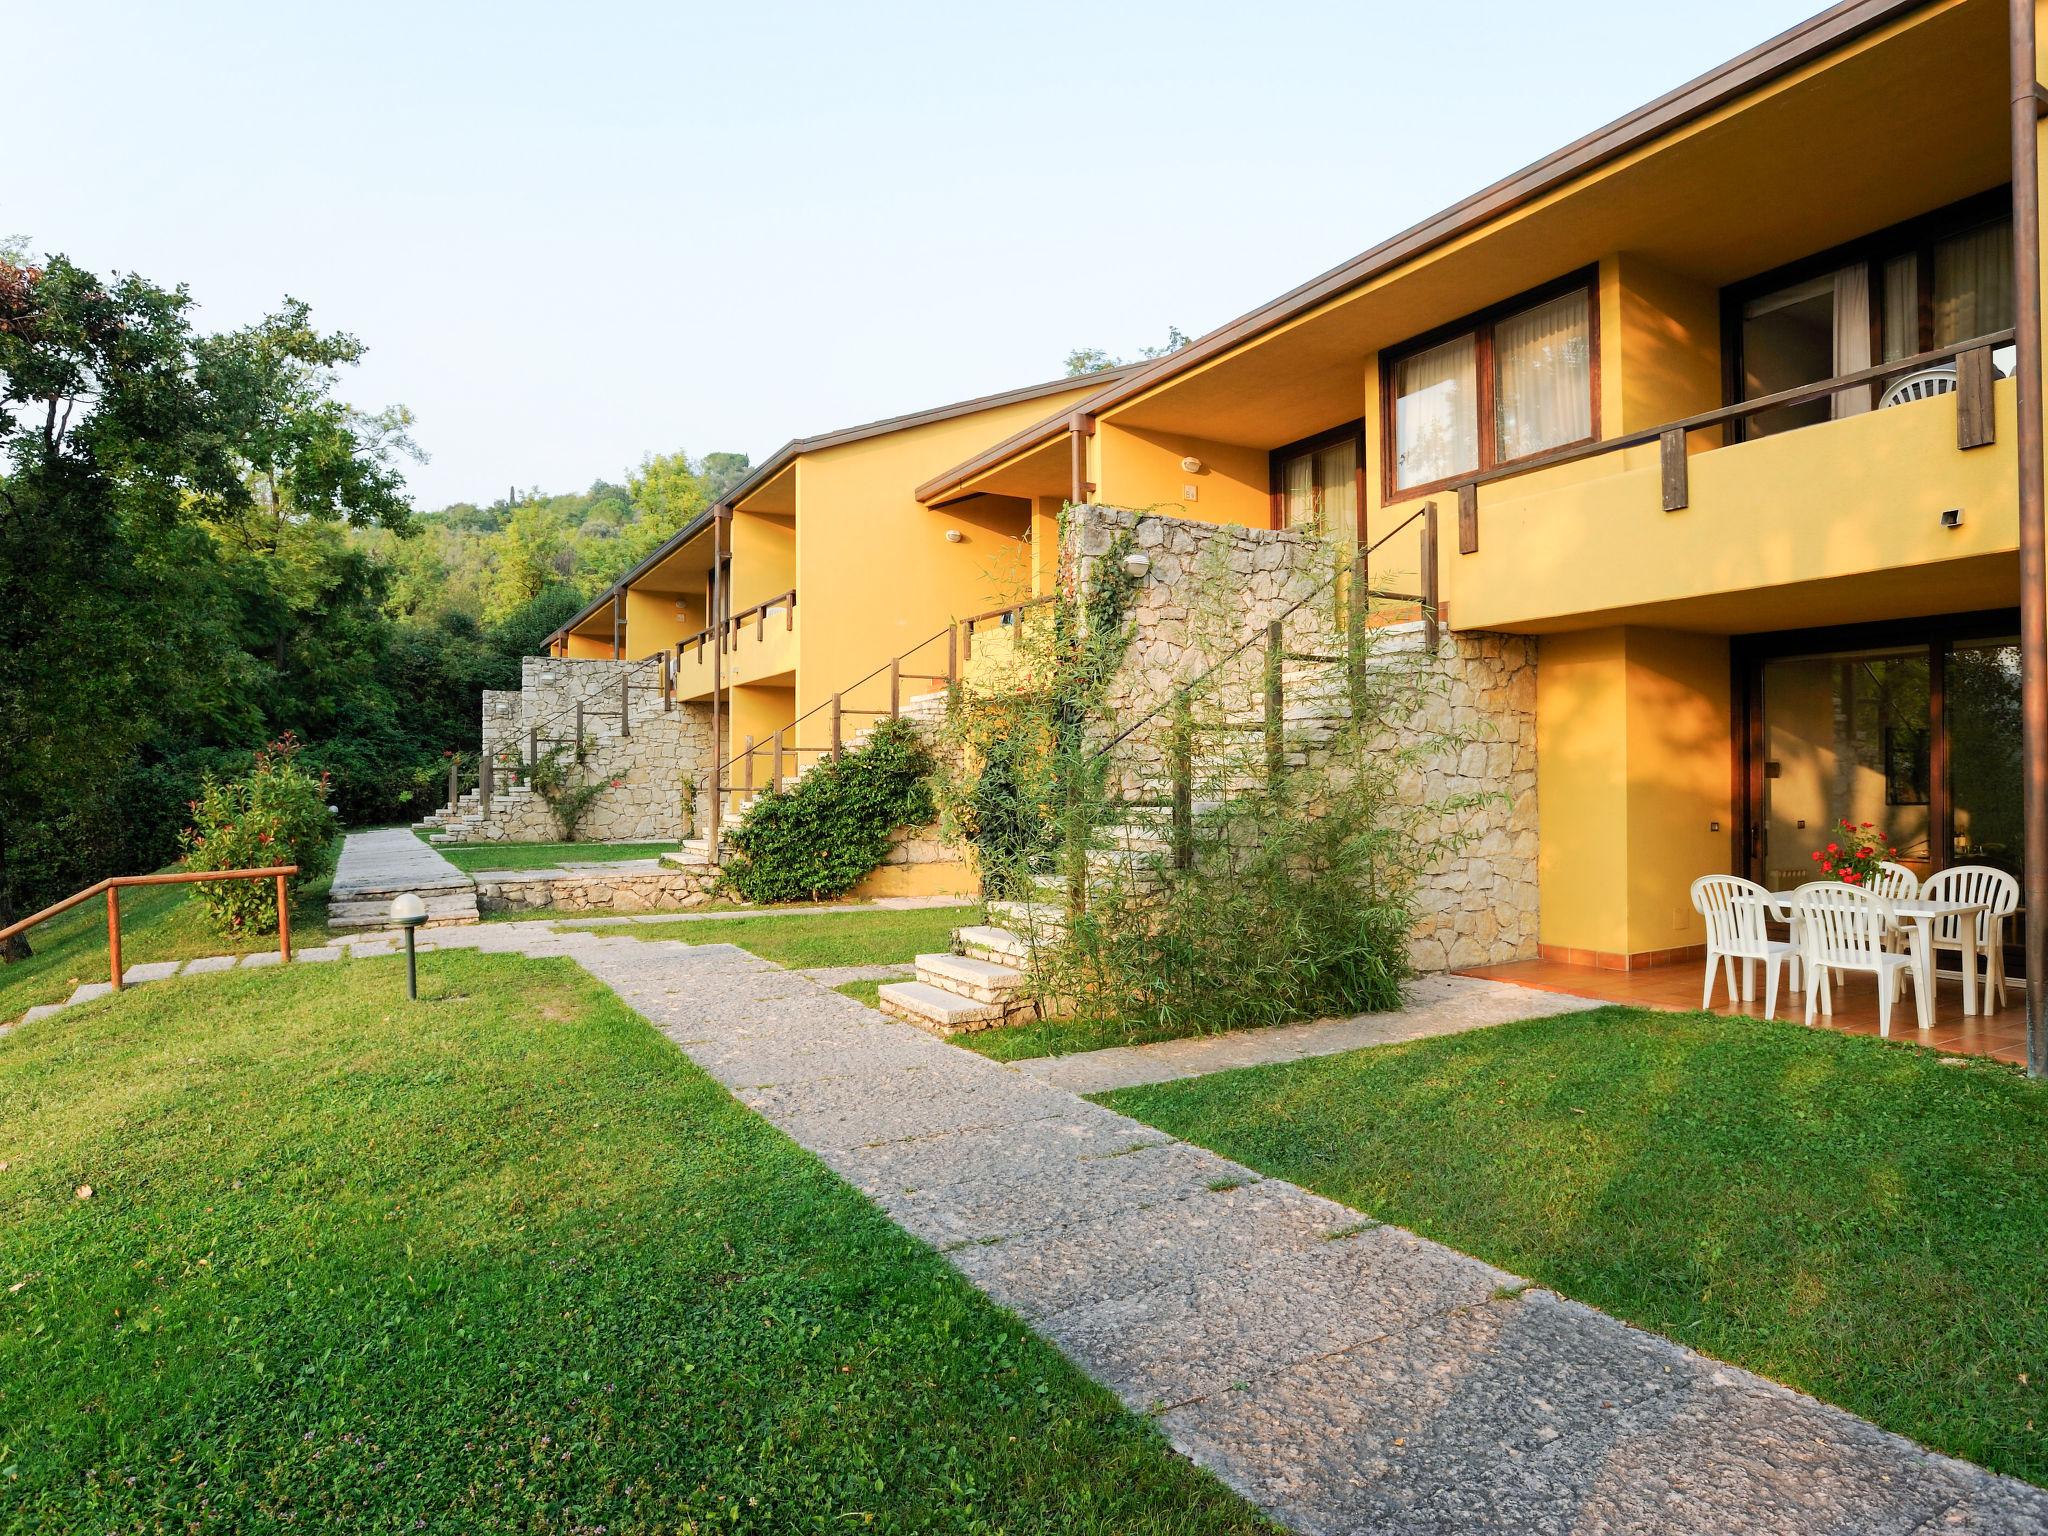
(574, 234)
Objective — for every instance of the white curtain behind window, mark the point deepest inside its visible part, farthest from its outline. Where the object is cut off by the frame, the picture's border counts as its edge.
(1901, 307)
(1852, 335)
(1973, 292)
(1337, 490)
(1298, 491)
(1543, 377)
(1436, 413)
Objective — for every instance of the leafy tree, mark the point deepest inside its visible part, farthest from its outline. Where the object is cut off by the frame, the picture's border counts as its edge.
(1086, 360)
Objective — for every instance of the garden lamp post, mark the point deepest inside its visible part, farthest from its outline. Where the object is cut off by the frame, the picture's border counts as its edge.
(408, 911)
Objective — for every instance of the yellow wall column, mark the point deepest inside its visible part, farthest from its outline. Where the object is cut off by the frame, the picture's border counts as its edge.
(1634, 785)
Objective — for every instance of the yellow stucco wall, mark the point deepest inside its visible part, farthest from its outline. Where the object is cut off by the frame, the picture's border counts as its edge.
(763, 557)
(1633, 782)
(1143, 470)
(590, 647)
(652, 623)
(876, 574)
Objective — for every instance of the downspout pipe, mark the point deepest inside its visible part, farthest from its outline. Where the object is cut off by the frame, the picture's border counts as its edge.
(2026, 105)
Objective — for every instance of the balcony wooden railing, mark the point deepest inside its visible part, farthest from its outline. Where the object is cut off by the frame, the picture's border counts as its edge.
(758, 616)
(1974, 425)
(1003, 616)
(114, 886)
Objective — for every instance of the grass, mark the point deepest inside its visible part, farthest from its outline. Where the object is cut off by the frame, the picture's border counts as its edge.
(1060, 1037)
(866, 992)
(471, 857)
(1863, 1221)
(802, 940)
(504, 1260)
(158, 922)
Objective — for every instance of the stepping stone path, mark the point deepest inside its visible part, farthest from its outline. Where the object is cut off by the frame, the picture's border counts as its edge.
(1342, 1374)
(376, 867)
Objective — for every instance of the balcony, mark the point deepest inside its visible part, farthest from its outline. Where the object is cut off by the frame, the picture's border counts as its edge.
(1878, 515)
(759, 645)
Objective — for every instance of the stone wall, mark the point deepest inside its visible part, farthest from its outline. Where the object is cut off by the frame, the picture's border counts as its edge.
(667, 890)
(1208, 588)
(647, 772)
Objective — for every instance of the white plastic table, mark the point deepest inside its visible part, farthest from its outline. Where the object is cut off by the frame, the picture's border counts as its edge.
(1917, 915)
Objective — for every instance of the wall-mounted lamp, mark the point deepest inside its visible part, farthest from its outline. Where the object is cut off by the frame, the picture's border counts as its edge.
(1136, 565)
(1191, 465)
(408, 911)
(954, 535)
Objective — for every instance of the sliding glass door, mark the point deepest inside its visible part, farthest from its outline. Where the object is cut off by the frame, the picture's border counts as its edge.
(1912, 728)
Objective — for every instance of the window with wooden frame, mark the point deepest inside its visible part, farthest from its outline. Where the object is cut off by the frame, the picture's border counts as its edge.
(1316, 482)
(1933, 281)
(1513, 382)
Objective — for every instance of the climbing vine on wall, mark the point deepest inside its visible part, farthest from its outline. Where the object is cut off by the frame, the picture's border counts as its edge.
(831, 829)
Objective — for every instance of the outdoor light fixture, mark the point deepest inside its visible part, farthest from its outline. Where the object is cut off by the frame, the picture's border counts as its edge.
(1191, 465)
(1136, 564)
(954, 535)
(408, 911)
(1952, 518)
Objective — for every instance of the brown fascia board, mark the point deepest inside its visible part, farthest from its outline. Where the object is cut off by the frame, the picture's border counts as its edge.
(1788, 51)
(782, 457)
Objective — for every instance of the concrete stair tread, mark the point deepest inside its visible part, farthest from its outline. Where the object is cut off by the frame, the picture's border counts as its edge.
(964, 970)
(979, 940)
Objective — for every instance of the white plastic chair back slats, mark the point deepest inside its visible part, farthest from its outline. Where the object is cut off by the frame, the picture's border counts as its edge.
(1973, 885)
(1923, 385)
(1895, 882)
(1734, 910)
(1845, 926)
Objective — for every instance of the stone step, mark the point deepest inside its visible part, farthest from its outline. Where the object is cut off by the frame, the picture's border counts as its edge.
(943, 1013)
(356, 911)
(985, 981)
(1045, 919)
(995, 946)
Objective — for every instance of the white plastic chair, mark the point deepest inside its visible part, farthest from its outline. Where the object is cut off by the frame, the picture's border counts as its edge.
(1736, 911)
(1895, 882)
(1844, 929)
(1922, 384)
(1992, 888)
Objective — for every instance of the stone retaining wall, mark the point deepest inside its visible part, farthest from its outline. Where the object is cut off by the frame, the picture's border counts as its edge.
(667, 890)
(1210, 586)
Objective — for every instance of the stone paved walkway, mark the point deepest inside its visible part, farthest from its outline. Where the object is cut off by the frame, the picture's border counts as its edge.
(1345, 1375)
(1436, 1005)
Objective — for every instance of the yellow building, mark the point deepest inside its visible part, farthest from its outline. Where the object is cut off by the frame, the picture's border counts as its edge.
(820, 568)
(1751, 622)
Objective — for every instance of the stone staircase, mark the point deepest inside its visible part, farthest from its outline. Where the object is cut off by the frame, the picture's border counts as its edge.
(924, 709)
(986, 979)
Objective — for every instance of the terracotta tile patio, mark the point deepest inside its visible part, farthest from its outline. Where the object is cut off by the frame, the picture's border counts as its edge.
(2001, 1035)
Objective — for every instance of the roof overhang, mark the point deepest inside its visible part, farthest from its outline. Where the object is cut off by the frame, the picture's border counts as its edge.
(1295, 401)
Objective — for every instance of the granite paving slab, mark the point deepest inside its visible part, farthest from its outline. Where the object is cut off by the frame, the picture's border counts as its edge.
(150, 970)
(207, 963)
(390, 861)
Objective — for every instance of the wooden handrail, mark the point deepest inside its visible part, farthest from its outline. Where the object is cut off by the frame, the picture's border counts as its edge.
(114, 884)
(1805, 394)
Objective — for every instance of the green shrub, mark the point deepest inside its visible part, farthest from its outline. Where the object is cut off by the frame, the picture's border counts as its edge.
(275, 814)
(558, 778)
(821, 837)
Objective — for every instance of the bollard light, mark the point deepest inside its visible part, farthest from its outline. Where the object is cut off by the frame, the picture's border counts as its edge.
(408, 911)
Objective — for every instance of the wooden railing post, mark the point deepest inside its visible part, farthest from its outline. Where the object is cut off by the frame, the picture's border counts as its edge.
(454, 782)
(579, 730)
(789, 612)
(114, 933)
(533, 747)
(952, 656)
(1429, 592)
(626, 705)
(967, 641)
(748, 751)
(1182, 749)
(835, 726)
(895, 686)
(775, 766)
(1976, 420)
(1356, 617)
(486, 770)
(1276, 703)
(668, 683)
(1673, 470)
(284, 923)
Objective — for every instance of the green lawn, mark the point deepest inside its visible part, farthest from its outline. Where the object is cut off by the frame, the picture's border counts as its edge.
(158, 922)
(503, 1260)
(1060, 1037)
(471, 857)
(1863, 1221)
(801, 940)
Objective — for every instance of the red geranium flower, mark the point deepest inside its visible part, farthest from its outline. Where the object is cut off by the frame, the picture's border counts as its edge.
(1833, 849)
